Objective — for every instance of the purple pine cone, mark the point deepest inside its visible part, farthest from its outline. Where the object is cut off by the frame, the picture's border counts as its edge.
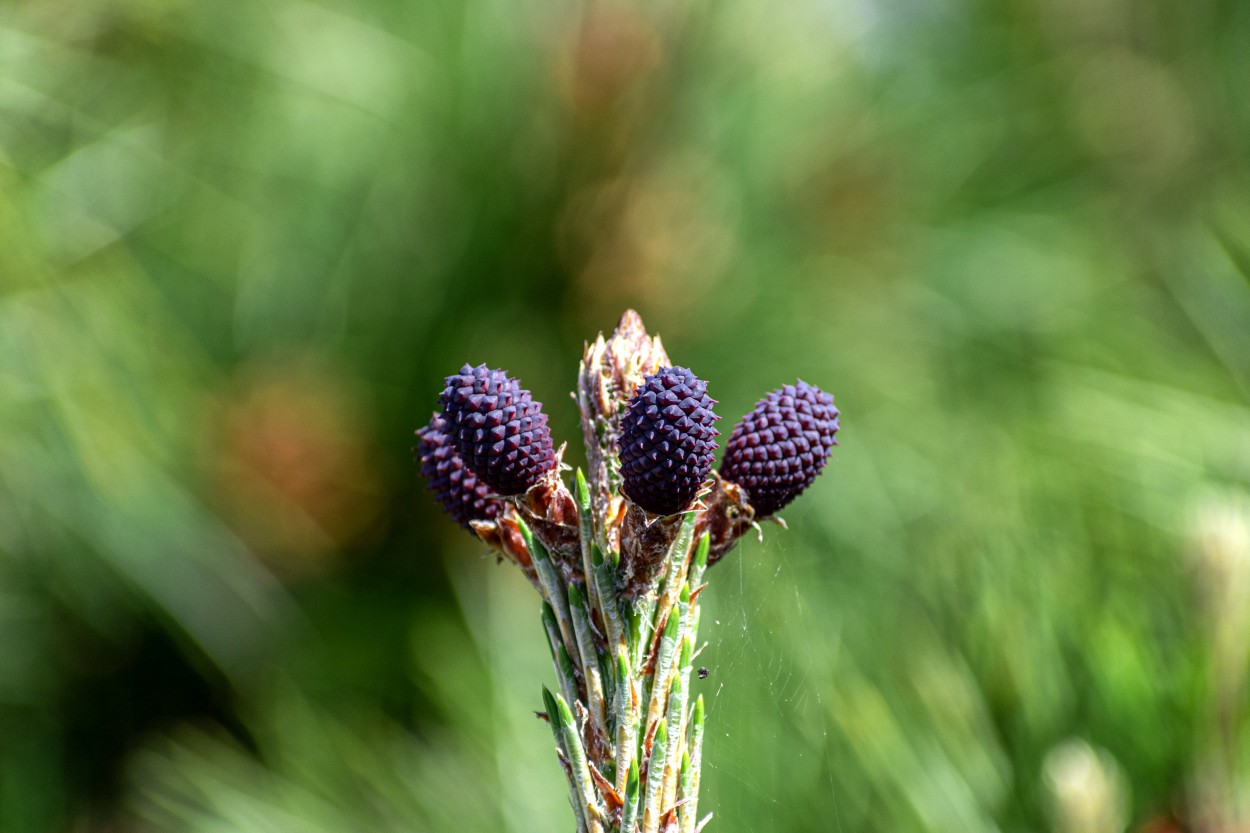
(776, 451)
(666, 443)
(499, 430)
(461, 493)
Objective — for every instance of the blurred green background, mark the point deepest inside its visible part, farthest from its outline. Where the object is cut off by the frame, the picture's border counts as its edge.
(242, 241)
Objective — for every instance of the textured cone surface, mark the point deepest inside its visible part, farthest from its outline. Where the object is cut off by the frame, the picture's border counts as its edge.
(776, 451)
(460, 492)
(667, 441)
(499, 430)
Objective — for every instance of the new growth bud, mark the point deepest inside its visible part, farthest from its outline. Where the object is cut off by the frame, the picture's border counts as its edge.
(778, 449)
(498, 429)
(667, 441)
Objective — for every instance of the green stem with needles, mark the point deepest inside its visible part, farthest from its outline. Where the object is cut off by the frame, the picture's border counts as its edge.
(622, 718)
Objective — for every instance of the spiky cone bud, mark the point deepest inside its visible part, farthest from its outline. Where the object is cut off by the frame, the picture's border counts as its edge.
(460, 492)
(778, 449)
(667, 441)
(498, 428)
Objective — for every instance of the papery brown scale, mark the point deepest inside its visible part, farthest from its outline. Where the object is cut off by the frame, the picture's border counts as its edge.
(504, 536)
(645, 540)
(726, 517)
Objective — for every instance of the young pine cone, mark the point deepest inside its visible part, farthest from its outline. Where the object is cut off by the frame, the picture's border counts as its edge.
(498, 429)
(666, 442)
(776, 451)
(458, 490)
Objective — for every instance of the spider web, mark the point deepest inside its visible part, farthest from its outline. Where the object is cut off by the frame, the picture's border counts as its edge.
(767, 752)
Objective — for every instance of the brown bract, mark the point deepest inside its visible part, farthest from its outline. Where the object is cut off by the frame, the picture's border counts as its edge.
(727, 516)
(551, 513)
(645, 539)
(504, 536)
